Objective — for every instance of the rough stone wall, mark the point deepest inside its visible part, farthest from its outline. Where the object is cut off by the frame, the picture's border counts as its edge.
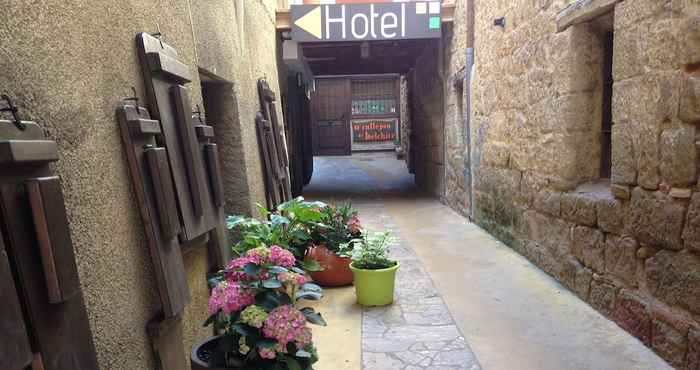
(426, 83)
(630, 246)
(68, 65)
(405, 117)
(454, 51)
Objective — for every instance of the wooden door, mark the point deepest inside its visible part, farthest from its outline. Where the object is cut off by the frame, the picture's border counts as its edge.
(331, 124)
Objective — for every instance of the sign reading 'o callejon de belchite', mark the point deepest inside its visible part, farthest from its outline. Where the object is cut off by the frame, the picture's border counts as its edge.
(366, 22)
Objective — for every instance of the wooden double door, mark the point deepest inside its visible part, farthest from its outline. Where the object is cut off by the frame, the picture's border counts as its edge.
(331, 121)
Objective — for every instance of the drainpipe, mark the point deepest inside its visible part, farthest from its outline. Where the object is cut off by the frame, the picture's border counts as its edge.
(468, 77)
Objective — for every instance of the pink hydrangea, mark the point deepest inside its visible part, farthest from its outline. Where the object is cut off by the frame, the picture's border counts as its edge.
(230, 297)
(287, 324)
(281, 257)
(353, 225)
(267, 353)
(293, 277)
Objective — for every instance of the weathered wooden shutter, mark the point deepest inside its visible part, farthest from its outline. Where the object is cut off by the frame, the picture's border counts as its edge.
(273, 148)
(38, 272)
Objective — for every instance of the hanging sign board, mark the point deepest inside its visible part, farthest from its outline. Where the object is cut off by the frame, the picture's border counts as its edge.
(366, 22)
(373, 130)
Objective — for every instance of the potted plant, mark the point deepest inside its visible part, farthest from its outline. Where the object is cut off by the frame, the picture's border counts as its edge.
(332, 244)
(253, 308)
(374, 272)
(290, 226)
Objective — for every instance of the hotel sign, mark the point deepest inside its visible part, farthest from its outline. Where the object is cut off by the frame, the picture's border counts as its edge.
(366, 22)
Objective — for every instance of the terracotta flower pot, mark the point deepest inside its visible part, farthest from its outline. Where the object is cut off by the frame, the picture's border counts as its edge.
(336, 270)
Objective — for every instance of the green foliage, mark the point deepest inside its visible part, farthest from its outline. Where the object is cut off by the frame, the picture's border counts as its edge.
(371, 252)
(338, 227)
(290, 226)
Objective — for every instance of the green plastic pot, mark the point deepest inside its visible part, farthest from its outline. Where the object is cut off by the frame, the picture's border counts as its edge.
(374, 287)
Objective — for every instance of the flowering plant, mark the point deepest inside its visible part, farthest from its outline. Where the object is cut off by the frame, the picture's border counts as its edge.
(290, 226)
(253, 305)
(339, 226)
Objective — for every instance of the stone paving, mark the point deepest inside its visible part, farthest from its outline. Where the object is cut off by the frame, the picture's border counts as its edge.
(417, 331)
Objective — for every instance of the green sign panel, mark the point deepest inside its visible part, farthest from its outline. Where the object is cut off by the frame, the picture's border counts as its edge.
(366, 22)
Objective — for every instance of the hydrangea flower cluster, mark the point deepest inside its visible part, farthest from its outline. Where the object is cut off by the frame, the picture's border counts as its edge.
(229, 297)
(273, 276)
(293, 277)
(254, 316)
(353, 225)
(287, 324)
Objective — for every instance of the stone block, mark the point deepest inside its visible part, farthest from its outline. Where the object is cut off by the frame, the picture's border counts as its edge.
(670, 343)
(646, 99)
(656, 219)
(680, 193)
(693, 357)
(579, 208)
(611, 214)
(670, 42)
(626, 54)
(674, 277)
(495, 154)
(588, 245)
(621, 258)
(678, 167)
(602, 296)
(624, 163)
(647, 157)
(548, 202)
(689, 110)
(632, 314)
(620, 191)
(691, 231)
(629, 13)
(582, 283)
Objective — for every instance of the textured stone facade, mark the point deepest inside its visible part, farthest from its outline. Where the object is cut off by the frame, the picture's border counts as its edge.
(67, 67)
(630, 246)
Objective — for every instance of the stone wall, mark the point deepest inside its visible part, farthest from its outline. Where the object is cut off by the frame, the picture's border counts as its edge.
(426, 85)
(630, 246)
(405, 132)
(68, 66)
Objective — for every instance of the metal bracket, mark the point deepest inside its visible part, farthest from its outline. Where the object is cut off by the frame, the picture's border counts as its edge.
(10, 107)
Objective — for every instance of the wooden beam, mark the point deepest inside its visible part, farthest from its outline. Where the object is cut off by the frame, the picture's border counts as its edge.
(283, 17)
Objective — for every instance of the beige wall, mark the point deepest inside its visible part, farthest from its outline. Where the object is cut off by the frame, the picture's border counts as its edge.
(67, 65)
(630, 247)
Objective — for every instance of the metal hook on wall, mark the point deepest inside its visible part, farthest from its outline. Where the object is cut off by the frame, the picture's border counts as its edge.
(158, 35)
(198, 112)
(134, 97)
(10, 107)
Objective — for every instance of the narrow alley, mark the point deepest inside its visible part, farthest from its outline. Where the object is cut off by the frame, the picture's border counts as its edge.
(465, 300)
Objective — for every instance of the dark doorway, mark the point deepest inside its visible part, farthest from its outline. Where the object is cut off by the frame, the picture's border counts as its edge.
(331, 121)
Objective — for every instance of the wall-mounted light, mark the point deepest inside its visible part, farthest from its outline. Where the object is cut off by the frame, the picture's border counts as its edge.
(501, 22)
(364, 50)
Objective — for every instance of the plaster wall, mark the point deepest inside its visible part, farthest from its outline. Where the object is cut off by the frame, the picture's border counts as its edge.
(628, 245)
(67, 65)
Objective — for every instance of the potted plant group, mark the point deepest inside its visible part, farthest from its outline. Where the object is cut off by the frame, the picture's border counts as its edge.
(374, 272)
(332, 244)
(290, 226)
(253, 308)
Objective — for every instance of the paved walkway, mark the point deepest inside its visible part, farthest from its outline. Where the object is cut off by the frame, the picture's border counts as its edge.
(464, 300)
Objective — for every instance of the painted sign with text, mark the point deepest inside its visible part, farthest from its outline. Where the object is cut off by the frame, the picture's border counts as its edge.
(366, 22)
(373, 130)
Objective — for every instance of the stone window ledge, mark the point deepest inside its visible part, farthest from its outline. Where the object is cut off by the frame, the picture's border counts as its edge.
(581, 11)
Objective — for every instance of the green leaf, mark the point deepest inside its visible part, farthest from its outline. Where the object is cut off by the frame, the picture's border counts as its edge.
(311, 296)
(310, 265)
(279, 220)
(313, 316)
(311, 287)
(277, 269)
(272, 284)
(245, 330)
(251, 269)
(211, 319)
(292, 363)
(266, 343)
(297, 270)
(303, 354)
(269, 300)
